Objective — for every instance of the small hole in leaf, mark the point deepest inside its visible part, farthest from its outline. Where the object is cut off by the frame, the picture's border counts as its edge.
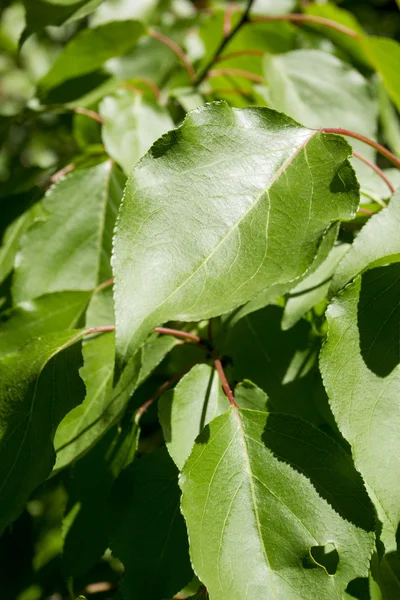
(325, 557)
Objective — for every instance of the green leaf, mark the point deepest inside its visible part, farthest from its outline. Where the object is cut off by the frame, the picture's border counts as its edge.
(90, 49)
(359, 365)
(40, 13)
(149, 534)
(222, 244)
(104, 403)
(389, 120)
(345, 100)
(384, 55)
(37, 388)
(76, 234)
(34, 318)
(378, 243)
(253, 520)
(312, 289)
(188, 408)
(131, 125)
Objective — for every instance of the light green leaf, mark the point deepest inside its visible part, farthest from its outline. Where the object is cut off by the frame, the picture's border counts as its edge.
(253, 519)
(37, 388)
(149, 534)
(34, 318)
(389, 120)
(104, 403)
(131, 125)
(76, 234)
(248, 395)
(384, 56)
(188, 408)
(377, 243)
(359, 365)
(249, 187)
(312, 289)
(90, 49)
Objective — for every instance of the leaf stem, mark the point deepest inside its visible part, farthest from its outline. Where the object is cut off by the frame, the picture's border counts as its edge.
(249, 52)
(363, 138)
(176, 49)
(178, 333)
(224, 382)
(377, 170)
(235, 72)
(224, 42)
(64, 171)
(312, 19)
(80, 110)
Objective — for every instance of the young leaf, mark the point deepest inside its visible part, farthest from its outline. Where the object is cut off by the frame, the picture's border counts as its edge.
(76, 233)
(131, 125)
(253, 193)
(37, 388)
(254, 521)
(149, 534)
(359, 365)
(90, 49)
(34, 318)
(377, 243)
(188, 408)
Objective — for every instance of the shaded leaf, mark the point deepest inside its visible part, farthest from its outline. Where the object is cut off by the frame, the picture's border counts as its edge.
(363, 400)
(384, 55)
(149, 533)
(377, 243)
(40, 13)
(37, 388)
(249, 188)
(253, 519)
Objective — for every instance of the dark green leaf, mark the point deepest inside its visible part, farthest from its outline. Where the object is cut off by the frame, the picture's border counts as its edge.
(149, 535)
(37, 388)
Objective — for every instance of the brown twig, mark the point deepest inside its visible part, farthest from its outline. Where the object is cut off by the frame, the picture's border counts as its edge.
(61, 173)
(363, 138)
(80, 110)
(365, 211)
(178, 333)
(236, 53)
(308, 19)
(230, 9)
(377, 170)
(224, 382)
(224, 42)
(176, 49)
(236, 73)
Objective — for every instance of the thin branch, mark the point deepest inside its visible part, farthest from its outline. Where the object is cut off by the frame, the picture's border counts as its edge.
(101, 329)
(61, 173)
(80, 110)
(159, 391)
(178, 333)
(249, 52)
(224, 42)
(377, 170)
(363, 138)
(103, 285)
(176, 49)
(224, 382)
(312, 19)
(365, 211)
(235, 72)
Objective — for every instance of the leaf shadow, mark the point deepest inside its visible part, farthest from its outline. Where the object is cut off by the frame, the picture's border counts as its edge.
(327, 466)
(379, 319)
